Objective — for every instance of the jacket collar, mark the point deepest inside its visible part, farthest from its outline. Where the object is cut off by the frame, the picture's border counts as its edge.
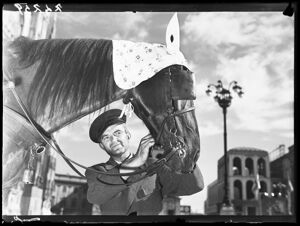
(111, 163)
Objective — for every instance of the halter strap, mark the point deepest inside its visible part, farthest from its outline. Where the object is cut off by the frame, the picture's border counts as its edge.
(172, 115)
(38, 128)
(150, 170)
(46, 137)
(69, 161)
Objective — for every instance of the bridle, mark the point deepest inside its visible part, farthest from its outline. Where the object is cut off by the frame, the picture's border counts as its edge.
(179, 142)
(150, 170)
(177, 147)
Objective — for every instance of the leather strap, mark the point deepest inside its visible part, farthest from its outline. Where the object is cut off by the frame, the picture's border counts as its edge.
(69, 161)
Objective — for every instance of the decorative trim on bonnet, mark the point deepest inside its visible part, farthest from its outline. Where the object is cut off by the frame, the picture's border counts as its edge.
(135, 62)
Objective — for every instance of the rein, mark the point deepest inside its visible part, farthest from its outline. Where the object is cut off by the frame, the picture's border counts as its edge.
(46, 137)
(150, 170)
(179, 144)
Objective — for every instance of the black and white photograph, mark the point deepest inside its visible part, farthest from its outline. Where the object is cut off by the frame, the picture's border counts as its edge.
(148, 113)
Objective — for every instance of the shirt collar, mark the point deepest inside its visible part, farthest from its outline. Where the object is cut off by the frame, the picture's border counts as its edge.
(119, 162)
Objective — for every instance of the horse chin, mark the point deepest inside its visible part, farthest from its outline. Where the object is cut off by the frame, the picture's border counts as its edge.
(188, 163)
(189, 169)
(181, 165)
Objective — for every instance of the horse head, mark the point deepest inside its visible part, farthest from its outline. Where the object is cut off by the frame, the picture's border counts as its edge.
(169, 114)
(165, 100)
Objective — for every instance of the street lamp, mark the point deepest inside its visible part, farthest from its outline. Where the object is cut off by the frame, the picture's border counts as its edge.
(223, 97)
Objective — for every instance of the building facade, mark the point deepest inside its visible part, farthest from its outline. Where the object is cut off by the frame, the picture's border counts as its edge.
(40, 25)
(244, 164)
(171, 206)
(39, 196)
(36, 195)
(282, 175)
(70, 199)
(256, 184)
(70, 196)
(212, 203)
(19, 137)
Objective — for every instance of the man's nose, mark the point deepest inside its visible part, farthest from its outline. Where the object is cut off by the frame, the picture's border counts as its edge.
(113, 137)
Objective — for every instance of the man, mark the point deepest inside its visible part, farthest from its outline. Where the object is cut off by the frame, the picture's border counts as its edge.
(117, 195)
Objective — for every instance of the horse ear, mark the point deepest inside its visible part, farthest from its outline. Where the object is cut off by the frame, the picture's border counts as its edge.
(172, 35)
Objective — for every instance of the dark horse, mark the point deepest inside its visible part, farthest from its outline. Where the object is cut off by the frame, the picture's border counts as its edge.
(59, 81)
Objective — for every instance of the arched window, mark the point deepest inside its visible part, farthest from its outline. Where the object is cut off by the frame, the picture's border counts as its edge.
(238, 191)
(249, 166)
(237, 166)
(249, 192)
(261, 163)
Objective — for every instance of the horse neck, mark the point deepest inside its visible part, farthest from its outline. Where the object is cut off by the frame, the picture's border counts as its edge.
(58, 121)
(56, 90)
(24, 77)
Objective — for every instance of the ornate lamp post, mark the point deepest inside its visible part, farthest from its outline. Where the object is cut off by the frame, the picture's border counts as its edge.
(223, 97)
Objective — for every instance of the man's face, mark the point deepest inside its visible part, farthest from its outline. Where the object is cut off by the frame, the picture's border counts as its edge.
(115, 140)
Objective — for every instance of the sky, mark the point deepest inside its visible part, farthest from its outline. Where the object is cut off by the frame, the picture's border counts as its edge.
(254, 48)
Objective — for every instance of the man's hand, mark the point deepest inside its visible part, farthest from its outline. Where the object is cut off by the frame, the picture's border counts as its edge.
(144, 147)
(141, 155)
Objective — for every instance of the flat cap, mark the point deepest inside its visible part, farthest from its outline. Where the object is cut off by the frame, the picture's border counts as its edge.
(103, 121)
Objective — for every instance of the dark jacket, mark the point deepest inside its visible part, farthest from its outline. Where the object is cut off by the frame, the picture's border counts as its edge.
(145, 196)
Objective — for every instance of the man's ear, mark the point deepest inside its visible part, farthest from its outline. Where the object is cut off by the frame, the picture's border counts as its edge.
(128, 134)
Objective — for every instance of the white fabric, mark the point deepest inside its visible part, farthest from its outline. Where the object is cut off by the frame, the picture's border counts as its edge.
(173, 34)
(135, 62)
(128, 109)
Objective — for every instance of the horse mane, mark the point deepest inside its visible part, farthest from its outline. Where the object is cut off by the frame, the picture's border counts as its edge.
(70, 74)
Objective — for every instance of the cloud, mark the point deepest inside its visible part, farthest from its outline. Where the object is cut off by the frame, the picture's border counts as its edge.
(209, 129)
(75, 132)
(286, 123)
(287, 135)
(75, 17)
(206, 103)
(255, 49)
(241, 28)
(263, 98)
(126, 25)
(130, 26)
